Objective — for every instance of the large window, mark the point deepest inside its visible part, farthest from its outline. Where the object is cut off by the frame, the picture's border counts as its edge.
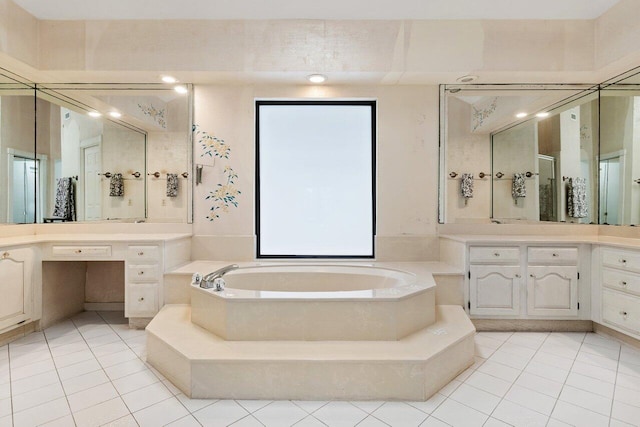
(315, 189)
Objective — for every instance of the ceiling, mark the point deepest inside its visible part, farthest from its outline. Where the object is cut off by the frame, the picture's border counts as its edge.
(312, 9)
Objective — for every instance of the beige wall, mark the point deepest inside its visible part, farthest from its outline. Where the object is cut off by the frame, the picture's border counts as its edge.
(407, 157)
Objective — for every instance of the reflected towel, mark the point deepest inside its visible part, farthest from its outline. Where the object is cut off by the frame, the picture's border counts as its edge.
(466, 185)
(546, 202)
(518, 186)
(116, 186)
(577, 198)
(65, 206)
(172, 185)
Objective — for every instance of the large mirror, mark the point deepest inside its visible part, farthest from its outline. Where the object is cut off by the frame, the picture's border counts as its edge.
(619, 160)
(518, 152)
(89, 152)
(19, 164)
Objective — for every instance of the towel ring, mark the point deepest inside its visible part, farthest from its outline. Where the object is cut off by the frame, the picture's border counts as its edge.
(155, 174)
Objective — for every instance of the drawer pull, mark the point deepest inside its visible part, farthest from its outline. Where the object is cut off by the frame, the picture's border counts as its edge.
(517, 276)
(532, 275)
(623, 314)
(496, 254)
(624, 284)
(140, 253)
(78, 251)
(622, 261)
(555, 255)
(6, 255)
(140, 273)
(141, 299)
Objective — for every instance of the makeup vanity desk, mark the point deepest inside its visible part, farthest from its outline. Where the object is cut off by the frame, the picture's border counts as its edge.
(146, 258)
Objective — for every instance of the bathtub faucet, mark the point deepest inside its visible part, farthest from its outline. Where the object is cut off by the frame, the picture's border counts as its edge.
(215, 280)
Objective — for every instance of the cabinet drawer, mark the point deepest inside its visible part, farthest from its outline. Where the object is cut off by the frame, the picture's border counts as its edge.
(143, 252)
(143, 273)
(625, 260)
(494, 255)
(621, 280)
(553, 255)
(142, 300)
(81, 251)
(621, 310)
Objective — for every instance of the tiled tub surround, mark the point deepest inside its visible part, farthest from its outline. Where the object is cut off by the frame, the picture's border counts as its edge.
(329, 347)
(315, 302)
(90, 370)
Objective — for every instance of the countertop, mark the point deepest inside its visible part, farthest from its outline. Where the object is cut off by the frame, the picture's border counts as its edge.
(621, 242)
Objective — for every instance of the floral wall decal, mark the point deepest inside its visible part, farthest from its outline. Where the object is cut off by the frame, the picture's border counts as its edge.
(157, 114)
(225, 195)
(479, 115)
(212, 146)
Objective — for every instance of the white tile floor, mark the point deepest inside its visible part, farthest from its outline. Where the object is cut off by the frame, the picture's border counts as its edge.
(90, 371)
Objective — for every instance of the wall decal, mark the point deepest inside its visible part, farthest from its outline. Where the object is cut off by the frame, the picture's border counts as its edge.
(479, 115)
(225, 195)
(158, 115)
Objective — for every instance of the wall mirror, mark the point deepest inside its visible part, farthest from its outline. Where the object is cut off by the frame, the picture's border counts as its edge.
(619, 160)
(507, 149)
(88, 152)
(19, 176)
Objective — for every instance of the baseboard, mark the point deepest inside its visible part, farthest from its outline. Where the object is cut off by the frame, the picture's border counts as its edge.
(18, 332)
(104, 306)
(528, 325)
(604, 330)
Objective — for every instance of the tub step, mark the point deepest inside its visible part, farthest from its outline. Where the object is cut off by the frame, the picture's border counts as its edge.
(203, 365)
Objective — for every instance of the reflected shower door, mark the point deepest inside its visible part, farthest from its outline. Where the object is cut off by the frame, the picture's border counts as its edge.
(610, 190)
(24, 182)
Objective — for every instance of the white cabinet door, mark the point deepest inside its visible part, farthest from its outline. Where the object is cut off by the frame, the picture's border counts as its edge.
(552, 290)
(495, 290)
(15, 286)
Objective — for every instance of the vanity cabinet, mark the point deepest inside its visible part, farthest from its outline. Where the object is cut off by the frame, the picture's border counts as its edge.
(494, 281)
(16, 285)
(523, 281)
(620, 279)
(142, 283)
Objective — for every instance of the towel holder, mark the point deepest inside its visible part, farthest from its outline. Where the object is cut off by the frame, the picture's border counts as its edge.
(530, 174)
(453, 174)
(637, 181)
(155, 174)
(499, 175)
(107, 174)
(136, 174)
(185, 175)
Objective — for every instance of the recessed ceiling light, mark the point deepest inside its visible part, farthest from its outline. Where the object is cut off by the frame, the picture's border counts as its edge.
(543, 114)
(169, 79)
(94, 114)
(181, 89)
(521, 115)
(317, 78)
(115, 114)
(466, 79)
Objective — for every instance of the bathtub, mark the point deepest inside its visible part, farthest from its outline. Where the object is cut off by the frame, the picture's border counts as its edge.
(306, 302)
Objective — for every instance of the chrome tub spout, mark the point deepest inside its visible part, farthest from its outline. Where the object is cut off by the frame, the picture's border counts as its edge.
(215, 280)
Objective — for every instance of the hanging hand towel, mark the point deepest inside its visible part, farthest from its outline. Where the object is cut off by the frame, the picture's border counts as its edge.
(518, 188)
(172, 185)
(577, 198)
(116, 186)
(65, 206)
(466, 185)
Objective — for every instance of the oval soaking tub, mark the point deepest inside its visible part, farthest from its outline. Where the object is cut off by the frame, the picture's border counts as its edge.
(315, 302)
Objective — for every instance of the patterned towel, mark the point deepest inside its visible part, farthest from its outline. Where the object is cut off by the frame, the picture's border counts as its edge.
(466, 185)
(577, 198)
(518, 186)
(172, 185)
(116, 186)
(65, 206)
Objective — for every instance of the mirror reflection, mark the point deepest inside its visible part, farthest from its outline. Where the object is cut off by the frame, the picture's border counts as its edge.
(619, 161)
(508, 147)
(20, 175)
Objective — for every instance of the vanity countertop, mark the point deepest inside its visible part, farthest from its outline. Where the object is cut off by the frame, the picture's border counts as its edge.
(89, 238)
(623, 242)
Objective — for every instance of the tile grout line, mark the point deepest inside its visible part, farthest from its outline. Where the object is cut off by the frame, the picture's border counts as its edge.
(615, 383)
(66, 397)
(11, 383)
